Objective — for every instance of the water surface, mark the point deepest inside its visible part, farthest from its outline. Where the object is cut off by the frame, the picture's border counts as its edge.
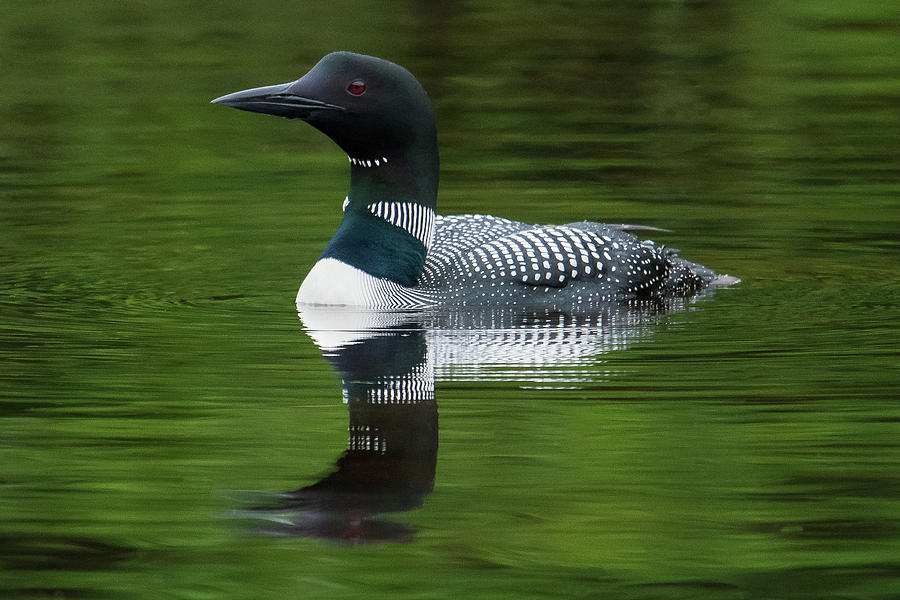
(160, 393)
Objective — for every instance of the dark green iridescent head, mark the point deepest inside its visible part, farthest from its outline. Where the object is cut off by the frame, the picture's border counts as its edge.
(373, 109)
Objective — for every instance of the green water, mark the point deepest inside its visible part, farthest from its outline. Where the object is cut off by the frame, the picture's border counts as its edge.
(157, 387)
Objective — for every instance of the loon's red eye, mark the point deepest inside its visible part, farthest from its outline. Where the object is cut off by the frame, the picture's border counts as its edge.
(357, 88)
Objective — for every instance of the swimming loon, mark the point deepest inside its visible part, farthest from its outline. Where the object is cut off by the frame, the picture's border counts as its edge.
(391, 251)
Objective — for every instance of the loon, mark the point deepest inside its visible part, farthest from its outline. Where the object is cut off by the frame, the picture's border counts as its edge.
(392, 251)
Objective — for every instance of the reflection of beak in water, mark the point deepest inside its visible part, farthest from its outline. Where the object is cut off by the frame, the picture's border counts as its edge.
(387, 363)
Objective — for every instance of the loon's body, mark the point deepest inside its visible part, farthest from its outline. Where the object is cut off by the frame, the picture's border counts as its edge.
(393, 251)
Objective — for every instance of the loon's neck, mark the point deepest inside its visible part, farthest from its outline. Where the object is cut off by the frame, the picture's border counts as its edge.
(388, 219)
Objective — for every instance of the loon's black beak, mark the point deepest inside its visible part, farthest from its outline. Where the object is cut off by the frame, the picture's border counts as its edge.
(275, 100)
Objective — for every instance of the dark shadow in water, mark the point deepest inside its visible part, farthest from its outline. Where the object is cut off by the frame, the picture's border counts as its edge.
(389, 463)
(388, 363)
(52, 552)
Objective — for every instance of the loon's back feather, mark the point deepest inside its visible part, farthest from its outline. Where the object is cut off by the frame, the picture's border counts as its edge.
(482, 259)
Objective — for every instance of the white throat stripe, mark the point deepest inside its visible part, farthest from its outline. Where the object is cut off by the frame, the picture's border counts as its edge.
(418, 220)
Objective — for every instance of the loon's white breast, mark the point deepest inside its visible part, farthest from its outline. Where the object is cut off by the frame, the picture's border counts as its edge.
(334, 283)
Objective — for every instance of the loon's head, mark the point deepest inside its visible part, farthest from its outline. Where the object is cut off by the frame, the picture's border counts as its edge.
(382, 118)
(371, 107)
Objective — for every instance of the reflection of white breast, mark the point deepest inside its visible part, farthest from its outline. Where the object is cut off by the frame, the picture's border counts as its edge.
(336, 328)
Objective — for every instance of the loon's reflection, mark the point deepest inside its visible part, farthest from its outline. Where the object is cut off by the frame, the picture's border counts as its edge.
(388, 467)
(388, 363)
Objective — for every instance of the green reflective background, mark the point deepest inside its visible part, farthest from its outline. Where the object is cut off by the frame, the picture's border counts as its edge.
(152, 363)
